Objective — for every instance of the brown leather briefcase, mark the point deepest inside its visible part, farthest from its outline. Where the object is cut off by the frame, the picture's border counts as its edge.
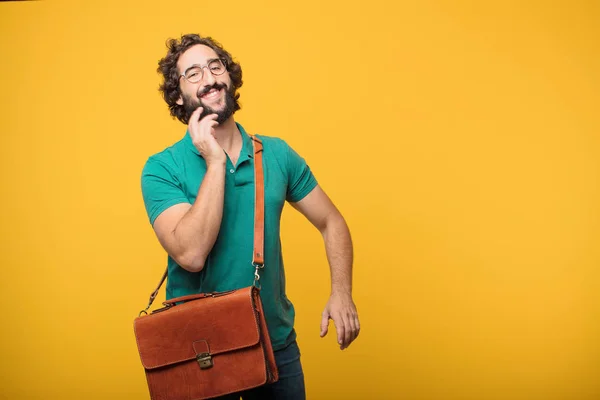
(210, 344)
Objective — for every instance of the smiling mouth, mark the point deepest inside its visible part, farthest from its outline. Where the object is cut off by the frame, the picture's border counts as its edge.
(211, 94)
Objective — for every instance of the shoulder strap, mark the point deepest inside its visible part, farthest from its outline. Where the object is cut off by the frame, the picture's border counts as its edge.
(258, 258)
(259, 219)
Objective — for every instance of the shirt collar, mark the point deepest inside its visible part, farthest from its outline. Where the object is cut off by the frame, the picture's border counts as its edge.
(247, 148)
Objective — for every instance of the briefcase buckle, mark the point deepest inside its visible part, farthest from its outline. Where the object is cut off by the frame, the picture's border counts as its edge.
(205, 360)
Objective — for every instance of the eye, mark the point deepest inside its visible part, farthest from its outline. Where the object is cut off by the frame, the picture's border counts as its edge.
(216, 66)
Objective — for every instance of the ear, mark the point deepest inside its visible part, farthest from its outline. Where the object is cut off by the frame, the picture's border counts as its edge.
(179, 101)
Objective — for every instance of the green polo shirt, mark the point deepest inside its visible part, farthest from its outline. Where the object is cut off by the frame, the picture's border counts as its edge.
(174, 176)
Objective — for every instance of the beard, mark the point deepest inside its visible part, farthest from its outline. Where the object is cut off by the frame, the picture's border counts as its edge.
(231, 104)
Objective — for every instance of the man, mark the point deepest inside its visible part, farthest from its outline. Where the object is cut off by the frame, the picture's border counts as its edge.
(199, 195)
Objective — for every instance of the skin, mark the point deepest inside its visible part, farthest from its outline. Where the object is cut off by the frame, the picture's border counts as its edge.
(188, 232)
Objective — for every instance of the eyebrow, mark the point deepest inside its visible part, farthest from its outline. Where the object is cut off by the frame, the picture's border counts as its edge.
(197, 65)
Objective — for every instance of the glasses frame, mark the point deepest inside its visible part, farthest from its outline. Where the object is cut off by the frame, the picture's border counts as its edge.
(223, 61)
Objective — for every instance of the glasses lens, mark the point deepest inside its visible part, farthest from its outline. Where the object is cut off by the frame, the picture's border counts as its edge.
(216, 67)
(194, 74)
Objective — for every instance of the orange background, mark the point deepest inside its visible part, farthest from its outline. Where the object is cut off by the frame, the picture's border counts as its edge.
(459, 139)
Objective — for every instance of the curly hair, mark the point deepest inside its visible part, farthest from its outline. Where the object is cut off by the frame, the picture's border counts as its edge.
(167, 66)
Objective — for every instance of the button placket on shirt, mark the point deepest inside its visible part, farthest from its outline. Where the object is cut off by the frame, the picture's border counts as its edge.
(243, 173)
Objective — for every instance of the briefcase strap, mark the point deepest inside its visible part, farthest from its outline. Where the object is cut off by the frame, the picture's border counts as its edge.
(258, 257)
(259, 221)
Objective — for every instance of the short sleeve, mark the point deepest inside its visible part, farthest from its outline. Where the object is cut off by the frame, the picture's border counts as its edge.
(301, 180)
(160, 188)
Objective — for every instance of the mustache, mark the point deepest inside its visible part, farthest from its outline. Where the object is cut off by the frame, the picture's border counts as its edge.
(216, 86)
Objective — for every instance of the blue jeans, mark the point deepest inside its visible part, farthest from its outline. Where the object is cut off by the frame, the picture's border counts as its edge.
(290, 385)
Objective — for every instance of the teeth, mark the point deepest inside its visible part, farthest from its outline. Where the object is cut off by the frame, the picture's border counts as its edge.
(211, 92)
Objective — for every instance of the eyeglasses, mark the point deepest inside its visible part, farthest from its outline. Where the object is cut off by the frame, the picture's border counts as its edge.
(195, 73)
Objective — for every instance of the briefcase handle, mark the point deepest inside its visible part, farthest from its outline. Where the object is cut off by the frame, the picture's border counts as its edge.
(258, 260)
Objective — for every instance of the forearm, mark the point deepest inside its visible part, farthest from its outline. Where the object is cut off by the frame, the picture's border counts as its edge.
(197, 231)
(339, 250)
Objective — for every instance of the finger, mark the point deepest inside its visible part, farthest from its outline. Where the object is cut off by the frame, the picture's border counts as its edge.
(210, 117)
(195, 115)
(206, 127)
(211, 128)
(324, 323)
(209, 122)
(354, 318)
(349, 331)
(341, 329)
(193, 123)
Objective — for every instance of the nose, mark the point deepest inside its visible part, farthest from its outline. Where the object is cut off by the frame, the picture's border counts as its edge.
(209, 78)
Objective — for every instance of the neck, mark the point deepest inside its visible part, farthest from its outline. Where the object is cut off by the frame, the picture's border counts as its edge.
(228, 135)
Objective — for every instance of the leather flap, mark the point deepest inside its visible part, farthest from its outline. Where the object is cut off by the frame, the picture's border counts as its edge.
(215, 325)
